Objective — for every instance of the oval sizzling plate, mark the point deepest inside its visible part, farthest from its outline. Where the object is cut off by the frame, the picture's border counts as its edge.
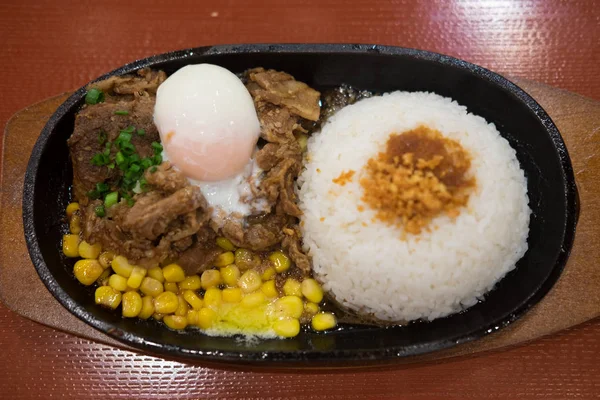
(540, 150)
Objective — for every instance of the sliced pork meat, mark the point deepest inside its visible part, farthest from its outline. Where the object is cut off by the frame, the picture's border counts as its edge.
(143, 83)
(272, 154)
(202, 254)
(150, 219)
(166, 178)
(291, 244)
(258, 233)
(281, 89)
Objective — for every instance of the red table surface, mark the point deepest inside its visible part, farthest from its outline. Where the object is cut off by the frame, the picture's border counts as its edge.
(48, 47)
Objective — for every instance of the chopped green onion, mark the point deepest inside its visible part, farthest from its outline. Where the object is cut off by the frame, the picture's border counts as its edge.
(107, 145)
(101, 137)
(128, 150)
(141, 132)
(129, 129)
(157, 147)
(111, 199)
(100, 160)
(146, 162)
(100, 211)
(157, 159)
(134, 168)
(121, 112)
(93, 194)
(124, 136)
(94, 96)
(129, 199)
(102, 187)
(119, 158)
(111, 165)
(153, 169)
(134, 158)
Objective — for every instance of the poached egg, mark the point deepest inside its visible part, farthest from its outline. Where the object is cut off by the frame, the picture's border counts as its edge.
(209, 129)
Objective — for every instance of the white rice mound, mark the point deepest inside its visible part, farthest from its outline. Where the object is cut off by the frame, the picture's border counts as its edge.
(370, 269)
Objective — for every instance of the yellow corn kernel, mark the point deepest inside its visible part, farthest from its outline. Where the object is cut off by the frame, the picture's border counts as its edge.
(135, 279)
(224, 259)
(117, 282)
(75, 224)
(302, 141)
(192, 317)
(103, 279)
(105, 258)
(225, 244)
(182, 307)
(287, 327)
(151, 287)
(253, 300)
(193, 299)
(173, 273)
(250, 281)
(323, 321)
(230, 275)
(312, 290)
(280, 261)
(269, 289)
(175, 321)
(190, 283)
(213, 298)
(121, 266)
(156, 273)
(171, 287)
(71, 208)
(292, 287)
(147, 307)
(70, 245)
(268, 274)
(232, 295)
(108, 297)
(210, 278)
(311, 308)
(87, 250)
(245, 259)
(132, 304)
(87, 271)
(166, 303)
(288, 307)
(206, 318)
(158, 316)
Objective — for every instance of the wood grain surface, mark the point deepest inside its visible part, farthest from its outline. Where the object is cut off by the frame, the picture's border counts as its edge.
(49, 47)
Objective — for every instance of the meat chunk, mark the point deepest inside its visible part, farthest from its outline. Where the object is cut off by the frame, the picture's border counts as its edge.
(200, 256)
(277, 124)
(257, 234)
(282, 89)
(166, 178)
(84, 143)
(279, 185)
(291, 245)
(271, 154)
(109, 233)
(150, 219)
(144, 82)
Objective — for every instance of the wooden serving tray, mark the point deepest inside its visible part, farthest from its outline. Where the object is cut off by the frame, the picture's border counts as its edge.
(574, 299)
